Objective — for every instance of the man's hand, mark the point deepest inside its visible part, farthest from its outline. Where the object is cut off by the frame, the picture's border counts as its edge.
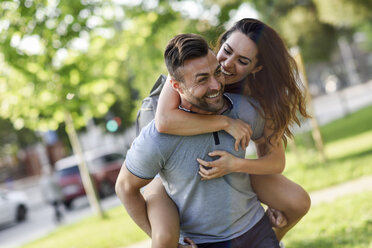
(220, 167)
(191, 244)
(277, 218)
(241, 132)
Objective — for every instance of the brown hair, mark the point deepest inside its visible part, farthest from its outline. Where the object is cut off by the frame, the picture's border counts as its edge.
(181, 48)
(277, 87)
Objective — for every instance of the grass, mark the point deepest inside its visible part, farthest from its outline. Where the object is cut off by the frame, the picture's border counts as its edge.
(117, 230)
(348, 159)
(349, 126)
(348, 146)
(346, 222)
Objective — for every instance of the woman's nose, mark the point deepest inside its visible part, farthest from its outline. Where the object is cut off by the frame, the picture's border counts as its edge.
(228, 63)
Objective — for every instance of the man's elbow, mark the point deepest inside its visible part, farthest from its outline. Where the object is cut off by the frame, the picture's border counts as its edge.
(119, 187)
(122, 188)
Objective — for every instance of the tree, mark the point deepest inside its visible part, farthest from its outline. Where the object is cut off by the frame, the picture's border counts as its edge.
(65, 62)
(52, 74)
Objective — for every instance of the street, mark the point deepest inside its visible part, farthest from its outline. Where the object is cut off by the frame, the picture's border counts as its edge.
(40, 221)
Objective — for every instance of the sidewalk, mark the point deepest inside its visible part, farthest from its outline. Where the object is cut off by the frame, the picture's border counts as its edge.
(325, 195)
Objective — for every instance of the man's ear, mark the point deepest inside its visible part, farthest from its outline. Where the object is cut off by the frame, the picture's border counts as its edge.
(257, 69)
(176, 85)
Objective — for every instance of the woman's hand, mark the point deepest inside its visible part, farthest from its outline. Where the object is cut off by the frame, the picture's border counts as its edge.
(220, 167)
(241, 132)
(191, 244)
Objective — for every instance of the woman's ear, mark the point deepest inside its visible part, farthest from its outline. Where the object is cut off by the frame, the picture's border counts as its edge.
(257, 69)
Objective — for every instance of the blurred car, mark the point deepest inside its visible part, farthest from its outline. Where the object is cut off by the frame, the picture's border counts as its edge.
(103, 165)
(13, 206)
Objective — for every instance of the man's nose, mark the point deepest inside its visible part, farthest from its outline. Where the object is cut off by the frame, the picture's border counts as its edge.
(215, 84)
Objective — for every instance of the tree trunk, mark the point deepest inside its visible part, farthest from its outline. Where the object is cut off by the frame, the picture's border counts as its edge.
(83, 168)
(317, 136)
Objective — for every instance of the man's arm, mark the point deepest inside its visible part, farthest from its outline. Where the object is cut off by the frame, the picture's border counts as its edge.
(128, 190)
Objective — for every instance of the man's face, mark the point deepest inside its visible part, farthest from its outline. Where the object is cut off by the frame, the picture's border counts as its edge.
(203, 83)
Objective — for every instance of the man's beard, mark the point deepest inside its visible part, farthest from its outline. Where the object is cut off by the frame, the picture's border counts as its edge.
(202, 103)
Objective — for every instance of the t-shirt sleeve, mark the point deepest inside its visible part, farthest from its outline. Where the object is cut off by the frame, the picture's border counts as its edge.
(258, 126)
(248, 111)
(144, 158)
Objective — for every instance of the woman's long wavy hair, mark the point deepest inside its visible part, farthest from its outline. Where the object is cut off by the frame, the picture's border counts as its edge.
(277, 87)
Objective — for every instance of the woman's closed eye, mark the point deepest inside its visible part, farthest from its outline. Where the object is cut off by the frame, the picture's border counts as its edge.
(227, 51)
(243, 62)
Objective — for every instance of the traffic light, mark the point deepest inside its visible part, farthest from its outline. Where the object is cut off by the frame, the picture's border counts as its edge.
(113, 124)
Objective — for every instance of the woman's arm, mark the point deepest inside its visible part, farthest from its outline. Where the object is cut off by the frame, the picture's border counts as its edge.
(169, 119)
(271, 160)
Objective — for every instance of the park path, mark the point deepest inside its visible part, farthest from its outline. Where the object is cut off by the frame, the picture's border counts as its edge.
(325, 195)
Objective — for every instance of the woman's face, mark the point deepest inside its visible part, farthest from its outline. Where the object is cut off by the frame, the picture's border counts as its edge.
(238, 57)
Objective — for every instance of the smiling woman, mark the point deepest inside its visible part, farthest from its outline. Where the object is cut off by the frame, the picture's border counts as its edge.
(238, 58)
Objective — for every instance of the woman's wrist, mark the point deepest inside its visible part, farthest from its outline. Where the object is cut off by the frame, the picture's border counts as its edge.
(241, 165)
(225, 122)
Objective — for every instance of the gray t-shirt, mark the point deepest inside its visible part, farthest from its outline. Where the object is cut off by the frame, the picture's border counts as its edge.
(211, 210)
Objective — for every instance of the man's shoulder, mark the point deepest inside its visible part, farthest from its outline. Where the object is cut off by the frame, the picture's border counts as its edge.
(243, 103)
(149, 135)
(238, 99)
(248, 110)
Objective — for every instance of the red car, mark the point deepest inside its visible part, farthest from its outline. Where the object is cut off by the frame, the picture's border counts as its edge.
(104, 166)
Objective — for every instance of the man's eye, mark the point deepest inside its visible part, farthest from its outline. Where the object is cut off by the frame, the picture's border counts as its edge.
(226, 51)
(202, 80)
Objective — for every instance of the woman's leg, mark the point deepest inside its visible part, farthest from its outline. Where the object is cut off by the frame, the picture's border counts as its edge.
(163, 216)
(278, 192)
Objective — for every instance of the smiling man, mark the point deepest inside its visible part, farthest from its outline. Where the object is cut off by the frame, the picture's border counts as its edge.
(222, 212)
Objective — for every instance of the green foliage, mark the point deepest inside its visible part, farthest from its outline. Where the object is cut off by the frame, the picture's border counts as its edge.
(344, 13)
(315, 25)
(59, 76)
(302, 28)
(119, 56)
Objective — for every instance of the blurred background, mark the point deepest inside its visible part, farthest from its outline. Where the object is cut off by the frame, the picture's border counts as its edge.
(86, 65)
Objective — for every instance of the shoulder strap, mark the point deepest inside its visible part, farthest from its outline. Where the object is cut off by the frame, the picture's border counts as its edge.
(148, 107)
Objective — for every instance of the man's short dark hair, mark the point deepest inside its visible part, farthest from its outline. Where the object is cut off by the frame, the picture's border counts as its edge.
(181, 48)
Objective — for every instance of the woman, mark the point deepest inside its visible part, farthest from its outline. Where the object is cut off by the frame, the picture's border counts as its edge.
(255, 63)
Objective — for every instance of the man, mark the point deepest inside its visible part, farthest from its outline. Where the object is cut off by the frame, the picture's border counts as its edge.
(222, 212)
(52, 193)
